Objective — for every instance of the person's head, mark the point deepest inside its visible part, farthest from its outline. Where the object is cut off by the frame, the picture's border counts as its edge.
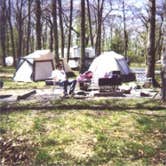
(59, 66)
(60, 61)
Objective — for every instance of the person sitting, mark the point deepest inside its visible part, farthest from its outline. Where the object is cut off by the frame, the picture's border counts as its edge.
(60, 77)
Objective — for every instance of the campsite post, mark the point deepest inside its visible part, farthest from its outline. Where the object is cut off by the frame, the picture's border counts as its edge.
(163, 61)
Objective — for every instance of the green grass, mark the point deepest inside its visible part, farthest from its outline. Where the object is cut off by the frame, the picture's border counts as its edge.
(113, 132)
(89, 136)
(6, 75)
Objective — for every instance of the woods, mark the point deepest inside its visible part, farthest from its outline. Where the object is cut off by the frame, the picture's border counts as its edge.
(55, 25)
(116, 112)
(131, 29)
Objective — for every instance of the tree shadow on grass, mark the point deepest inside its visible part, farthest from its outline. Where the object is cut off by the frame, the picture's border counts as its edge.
(135, 106)
(108, 149)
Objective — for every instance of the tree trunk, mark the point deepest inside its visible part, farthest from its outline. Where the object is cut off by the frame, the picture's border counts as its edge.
(82, 37)
(3, 30)
(125, 32)
(163, 75)
(51, 38)
(55, 26)
(70, 25)
(90, 23)
(99, 25)
(28, 26)
(11, 33)
(159, 42)
(44, 36)
(19, 18)
(61, 28)
(38, 24)
(151, 41)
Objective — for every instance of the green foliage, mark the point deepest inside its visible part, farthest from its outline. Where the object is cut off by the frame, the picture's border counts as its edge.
(38, 125)
(138, 59)
(117, 42)
(42, 157)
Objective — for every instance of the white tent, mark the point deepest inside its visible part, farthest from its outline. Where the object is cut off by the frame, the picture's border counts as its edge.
(35, 66)
(108, 62)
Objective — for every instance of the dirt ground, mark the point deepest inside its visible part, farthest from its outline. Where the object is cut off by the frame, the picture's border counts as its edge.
(52, 93)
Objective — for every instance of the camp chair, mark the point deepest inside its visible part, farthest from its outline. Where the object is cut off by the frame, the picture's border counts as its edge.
(56, 88)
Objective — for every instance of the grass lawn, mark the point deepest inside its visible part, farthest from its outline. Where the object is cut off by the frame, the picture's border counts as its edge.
(105, 132)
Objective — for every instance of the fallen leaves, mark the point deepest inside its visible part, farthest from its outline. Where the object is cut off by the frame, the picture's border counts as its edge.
(16, 151)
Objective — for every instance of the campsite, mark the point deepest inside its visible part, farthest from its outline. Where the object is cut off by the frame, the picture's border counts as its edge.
(44, 128)
(82, 83)
(38, 66)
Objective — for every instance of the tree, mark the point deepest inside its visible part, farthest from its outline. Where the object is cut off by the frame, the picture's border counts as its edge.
(100, 4)
(90, 23)
(11, 31)
(159, 35)
(117, 41)
(151, 42)
(55, 29)
(61, 28)
(47, 16)
(51, 37)
(82, 37)
(38, 13)
(3, 25)
(69, 31)
(28, 26)
(124, 30)
(163, 72)
(20, 23)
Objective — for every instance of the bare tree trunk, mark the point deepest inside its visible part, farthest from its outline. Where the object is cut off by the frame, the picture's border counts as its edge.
(32, 43)
(159, 42)
(3, 30)
(151, 41)
(11, 32)
(90, 23)
(44, 36)
(99, 25)
(103, 37)
(20, 28)
(7, 36)
(61, 28)
(82, 61)
(125, 31)
(28, 26)
(55, 26)
(38, 24)
(163, 75)
(70, 25)
(51, 38)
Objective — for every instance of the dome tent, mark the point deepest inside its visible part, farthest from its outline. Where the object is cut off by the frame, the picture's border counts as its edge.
(109, 62)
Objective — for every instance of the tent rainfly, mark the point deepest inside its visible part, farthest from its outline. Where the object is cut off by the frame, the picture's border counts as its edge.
(108, 62)
(35, 66)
